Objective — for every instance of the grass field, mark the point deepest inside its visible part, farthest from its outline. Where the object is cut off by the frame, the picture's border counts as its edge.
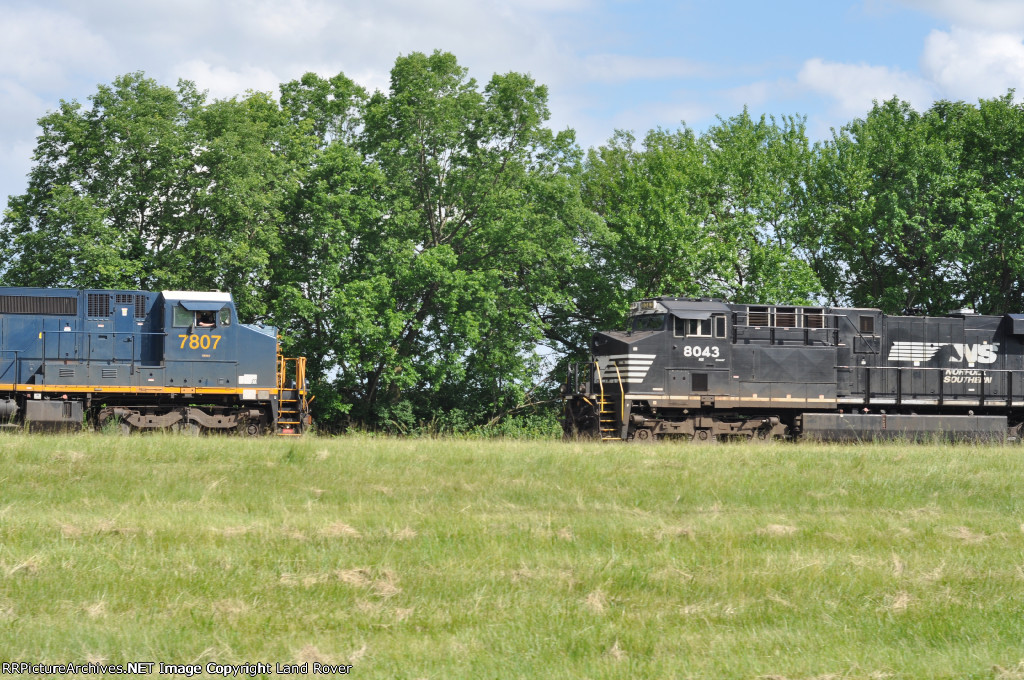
(495, 559)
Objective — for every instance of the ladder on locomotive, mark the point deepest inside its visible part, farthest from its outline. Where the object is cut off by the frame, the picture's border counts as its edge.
(292, 402)
(605, 412)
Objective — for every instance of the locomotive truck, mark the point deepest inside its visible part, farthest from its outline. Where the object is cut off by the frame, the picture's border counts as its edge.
(136, 360)
(704, 370)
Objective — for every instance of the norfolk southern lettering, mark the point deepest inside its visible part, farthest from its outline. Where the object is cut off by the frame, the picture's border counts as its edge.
(965, 375)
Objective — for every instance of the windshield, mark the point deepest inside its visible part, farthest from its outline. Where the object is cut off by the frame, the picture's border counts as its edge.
(649, 322)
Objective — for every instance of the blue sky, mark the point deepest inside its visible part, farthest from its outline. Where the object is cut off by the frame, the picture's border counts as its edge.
(609, 64)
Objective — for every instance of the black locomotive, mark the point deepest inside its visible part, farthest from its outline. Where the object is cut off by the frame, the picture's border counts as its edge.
(703, 370)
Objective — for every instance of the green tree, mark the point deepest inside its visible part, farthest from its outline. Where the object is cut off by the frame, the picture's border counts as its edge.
(991, 253)
(452, 273)
(886, 209)
(106, 189)
(758, 169)
(324, 294)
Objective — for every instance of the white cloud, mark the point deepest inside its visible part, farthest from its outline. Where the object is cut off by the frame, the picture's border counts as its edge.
(992, 15)
(15, 99)
(972, 64)
(761, 92)
(980, 56)
(47, 48)
(669, 115)
(284, 21)
(221, 82)
(853, 87)
(230, 46)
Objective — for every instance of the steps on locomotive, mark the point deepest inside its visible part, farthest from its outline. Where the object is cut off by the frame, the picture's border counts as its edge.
(291, 379)
(289, 423)
(607, 417)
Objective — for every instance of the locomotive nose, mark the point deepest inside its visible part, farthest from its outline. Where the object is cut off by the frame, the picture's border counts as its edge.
(607, 343)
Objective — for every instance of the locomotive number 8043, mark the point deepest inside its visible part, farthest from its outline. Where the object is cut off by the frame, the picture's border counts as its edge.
(705, 370)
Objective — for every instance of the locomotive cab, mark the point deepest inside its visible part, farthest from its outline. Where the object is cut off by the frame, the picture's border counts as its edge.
(700, 350)
(676, 347)
(201, 343)
(676, 354)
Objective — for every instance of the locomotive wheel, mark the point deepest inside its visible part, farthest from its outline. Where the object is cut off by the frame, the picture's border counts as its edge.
(188, 428)
(704, 437)
(644, 436)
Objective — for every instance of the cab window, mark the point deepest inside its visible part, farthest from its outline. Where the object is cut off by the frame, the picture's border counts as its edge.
(699, 327)
(224, 317)
(649, 322)
(719, 325)
(183, 317)
(693, 328)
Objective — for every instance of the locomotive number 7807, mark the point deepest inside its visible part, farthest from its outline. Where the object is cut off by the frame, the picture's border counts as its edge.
(698, 351)
(199, 341)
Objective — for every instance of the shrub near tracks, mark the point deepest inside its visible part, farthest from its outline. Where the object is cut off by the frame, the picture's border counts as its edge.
(448, 558)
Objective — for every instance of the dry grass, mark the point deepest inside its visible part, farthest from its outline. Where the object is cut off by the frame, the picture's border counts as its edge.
(431, 559)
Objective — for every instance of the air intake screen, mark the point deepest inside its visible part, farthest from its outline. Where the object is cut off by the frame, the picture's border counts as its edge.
(29, 304)
(99, 305)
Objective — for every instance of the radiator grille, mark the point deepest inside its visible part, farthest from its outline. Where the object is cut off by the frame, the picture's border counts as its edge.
(815, 318)
(108, 373)
(98, 305)
(30, 304)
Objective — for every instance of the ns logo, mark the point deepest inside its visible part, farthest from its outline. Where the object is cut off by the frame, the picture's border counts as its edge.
(959, 352)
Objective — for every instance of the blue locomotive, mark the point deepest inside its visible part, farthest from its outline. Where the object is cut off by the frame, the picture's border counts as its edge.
(704, 370)
(136, 360)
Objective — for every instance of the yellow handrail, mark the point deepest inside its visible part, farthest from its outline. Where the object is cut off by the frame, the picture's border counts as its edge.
(622, 393)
